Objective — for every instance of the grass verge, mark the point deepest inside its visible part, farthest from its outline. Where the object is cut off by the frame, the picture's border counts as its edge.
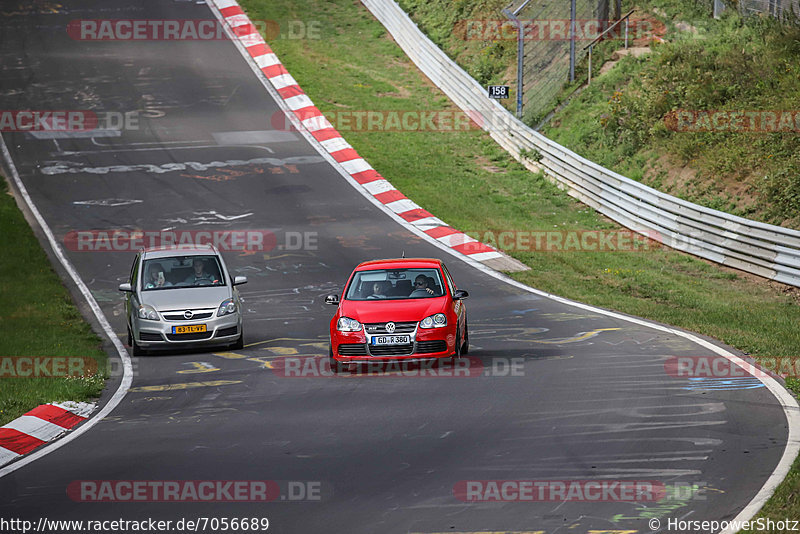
(645, 118)
(39, 319)
(464, 178)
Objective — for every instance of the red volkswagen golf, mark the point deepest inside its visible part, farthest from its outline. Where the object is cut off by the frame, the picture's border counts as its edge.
(401, 309)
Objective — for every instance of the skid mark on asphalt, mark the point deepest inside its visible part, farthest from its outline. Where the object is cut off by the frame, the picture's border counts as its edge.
(184, 385)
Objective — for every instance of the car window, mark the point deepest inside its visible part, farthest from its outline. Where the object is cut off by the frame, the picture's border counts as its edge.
(395, 284)
(134, 271)
(175, 272)
(451, 286)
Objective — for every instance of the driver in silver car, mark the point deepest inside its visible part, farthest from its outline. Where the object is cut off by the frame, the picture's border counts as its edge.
(200, 276)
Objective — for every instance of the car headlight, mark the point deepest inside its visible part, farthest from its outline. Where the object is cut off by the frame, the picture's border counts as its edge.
(434, 321)
(226, 308)
(346, 324)
(147, 312)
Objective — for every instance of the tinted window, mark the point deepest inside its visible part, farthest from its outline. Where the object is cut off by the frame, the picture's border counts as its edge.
(181, 271)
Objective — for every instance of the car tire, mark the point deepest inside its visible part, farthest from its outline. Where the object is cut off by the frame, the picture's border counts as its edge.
(130, 338)
(458, 352)
(465, 346)
(239, 343)
(137, 351)
(336, 366)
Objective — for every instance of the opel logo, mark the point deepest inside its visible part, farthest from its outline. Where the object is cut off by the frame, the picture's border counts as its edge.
(188, 314)
(390, 327)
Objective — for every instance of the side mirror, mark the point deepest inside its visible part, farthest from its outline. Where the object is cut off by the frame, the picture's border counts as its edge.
(460, 294)
(332, 299)
(239, 280)
(126, 288)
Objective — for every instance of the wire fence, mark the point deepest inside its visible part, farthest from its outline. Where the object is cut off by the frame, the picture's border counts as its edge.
(547, 36)
(784, 10)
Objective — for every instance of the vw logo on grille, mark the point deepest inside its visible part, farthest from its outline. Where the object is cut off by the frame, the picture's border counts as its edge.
(188, 314)
(390, 327)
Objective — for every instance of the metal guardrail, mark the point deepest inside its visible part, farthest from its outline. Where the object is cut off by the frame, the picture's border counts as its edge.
(762, 249)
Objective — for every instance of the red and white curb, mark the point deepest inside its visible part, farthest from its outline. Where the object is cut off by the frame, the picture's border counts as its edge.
(333, 142)
(40, 425)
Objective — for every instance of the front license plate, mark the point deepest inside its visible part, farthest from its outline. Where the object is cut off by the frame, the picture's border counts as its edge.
(391, 340)
(189, 329)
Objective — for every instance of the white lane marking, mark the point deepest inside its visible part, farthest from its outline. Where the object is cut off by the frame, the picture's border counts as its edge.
(127, 368)
(110, 202)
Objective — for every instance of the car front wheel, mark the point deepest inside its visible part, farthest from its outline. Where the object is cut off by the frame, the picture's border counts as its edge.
(337, 367)
(239, 343)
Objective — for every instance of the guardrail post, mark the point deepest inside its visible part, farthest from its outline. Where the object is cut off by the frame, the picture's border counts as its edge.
(590, 65)
(512, 16)
(572, 10)
(626, 33)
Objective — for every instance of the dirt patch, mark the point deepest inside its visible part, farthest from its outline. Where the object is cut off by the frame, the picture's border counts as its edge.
(484, 163)
(635, 51)
(672, 175)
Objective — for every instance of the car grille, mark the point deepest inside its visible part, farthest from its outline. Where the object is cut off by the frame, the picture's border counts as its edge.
(148, 336)
(189, 337)
(178, 315)
(424, 347)
(230, 331)
(400, 328)
(353, 349)
(391, 350)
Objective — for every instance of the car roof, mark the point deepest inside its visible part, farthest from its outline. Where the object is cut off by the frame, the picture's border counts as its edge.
(182, 250)
(403, 263)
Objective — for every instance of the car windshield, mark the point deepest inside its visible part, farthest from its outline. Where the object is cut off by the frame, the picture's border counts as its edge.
(395, 284)
(181, 271)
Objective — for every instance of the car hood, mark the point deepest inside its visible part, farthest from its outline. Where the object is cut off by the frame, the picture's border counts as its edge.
(186, 298)
(379, 311)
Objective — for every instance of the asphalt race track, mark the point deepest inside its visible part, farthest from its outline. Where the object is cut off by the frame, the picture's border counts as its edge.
(561, 393)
